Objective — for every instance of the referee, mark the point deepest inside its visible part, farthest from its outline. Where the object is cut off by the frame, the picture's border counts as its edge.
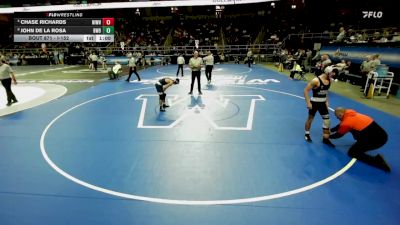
(195, 64)
(6, 76)
(209, 61)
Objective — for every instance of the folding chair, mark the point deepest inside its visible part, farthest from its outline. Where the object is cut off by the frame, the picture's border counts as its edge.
(301, 74)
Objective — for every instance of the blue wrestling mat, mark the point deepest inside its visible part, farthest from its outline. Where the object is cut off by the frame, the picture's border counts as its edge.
(234, 155)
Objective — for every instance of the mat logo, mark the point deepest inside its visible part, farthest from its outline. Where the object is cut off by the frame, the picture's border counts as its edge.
(225, 112)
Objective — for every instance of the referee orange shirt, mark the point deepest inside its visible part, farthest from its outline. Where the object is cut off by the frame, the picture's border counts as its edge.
(353, 120)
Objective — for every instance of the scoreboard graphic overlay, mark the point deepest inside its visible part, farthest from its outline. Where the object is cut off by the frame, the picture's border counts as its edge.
(62, 27)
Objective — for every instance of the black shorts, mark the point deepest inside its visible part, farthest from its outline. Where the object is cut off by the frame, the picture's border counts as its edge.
(159, 89)
(321, 108)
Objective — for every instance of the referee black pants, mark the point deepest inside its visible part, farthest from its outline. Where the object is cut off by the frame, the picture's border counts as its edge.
(180, 67)
(132, 69)
(373, 137)
(195, 74)
(7, 85)
(208, 71)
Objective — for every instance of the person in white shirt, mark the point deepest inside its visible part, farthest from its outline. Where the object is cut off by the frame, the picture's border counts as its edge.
(89, 60)
(103, 61)
(195, 64)
(6, 76)
(323, 64)
(181, 61)
(115, 71)
(222, 58)
(341, 36)
(140, 59)
(296, 69)
(94, 58)
(249, 58)
(209, 61)
(132, 68)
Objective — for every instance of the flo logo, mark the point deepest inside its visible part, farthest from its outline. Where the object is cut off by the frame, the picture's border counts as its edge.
(372, 14)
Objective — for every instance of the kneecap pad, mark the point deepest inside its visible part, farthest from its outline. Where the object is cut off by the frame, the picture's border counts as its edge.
(162, 96)
(326, 123)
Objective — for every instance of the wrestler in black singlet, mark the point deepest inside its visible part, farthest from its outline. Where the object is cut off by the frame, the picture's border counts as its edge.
(318, 100)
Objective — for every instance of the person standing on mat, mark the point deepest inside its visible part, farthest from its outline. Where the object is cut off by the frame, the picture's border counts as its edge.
(162, 85)
(319, 102)
(94, 58)
(181, 61)
(7, 76)
(195, 64)
(367, 133)
(249, 58)
(132, 68)
(209, 61)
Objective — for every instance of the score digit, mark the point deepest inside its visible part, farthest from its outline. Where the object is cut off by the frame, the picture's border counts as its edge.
(108, 22)
(108, 30)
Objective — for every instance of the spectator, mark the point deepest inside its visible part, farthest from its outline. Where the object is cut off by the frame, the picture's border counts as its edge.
(296, 69)
(365, 68)
(343, 68)
(103, 61)
(321, 65)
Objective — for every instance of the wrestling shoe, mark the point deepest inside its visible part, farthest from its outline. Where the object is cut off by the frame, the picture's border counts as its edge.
(328, 142)
(307, 137)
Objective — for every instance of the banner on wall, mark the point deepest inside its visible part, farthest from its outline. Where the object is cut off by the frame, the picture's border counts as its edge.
(123, 60)
(357, 54)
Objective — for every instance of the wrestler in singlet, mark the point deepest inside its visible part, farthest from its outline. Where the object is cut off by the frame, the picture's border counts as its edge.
(318, 99)
(159, 85)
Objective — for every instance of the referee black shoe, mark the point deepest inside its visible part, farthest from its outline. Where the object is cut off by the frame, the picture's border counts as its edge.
(381, 163)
